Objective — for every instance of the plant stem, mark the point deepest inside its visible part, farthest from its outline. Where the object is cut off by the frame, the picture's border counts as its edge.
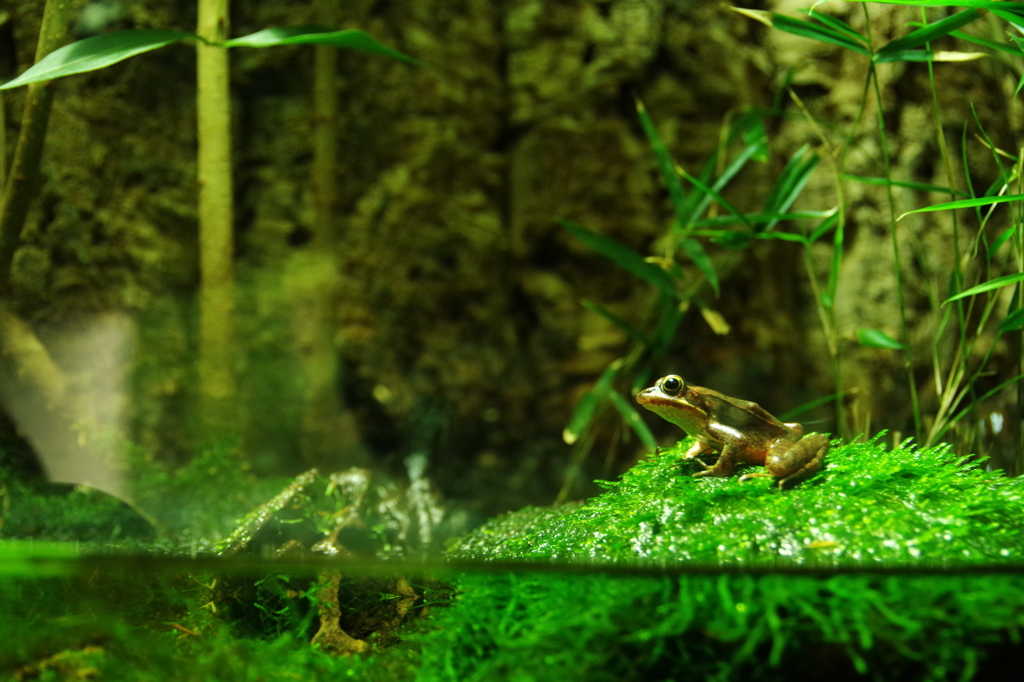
(883, 141)
(20, 188)
(216, 248)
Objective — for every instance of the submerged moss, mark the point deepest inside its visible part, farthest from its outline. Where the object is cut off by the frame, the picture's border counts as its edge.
(869, 504)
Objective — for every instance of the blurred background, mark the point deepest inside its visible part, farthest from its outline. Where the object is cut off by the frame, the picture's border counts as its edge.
(405, 298)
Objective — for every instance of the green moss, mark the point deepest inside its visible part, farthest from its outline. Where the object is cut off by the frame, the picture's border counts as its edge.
(643, 614)
(544, 626)
(871, 507)
(869, 504)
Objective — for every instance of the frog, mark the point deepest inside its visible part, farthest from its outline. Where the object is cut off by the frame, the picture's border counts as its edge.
(741, 430)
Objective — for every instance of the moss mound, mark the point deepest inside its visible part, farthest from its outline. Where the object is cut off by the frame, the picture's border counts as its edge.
(869, 504)
(926, 525)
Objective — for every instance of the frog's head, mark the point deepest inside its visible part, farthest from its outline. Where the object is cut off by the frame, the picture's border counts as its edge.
(673, 400)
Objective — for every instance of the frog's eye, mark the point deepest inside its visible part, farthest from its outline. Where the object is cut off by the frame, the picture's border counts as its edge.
(672, 384)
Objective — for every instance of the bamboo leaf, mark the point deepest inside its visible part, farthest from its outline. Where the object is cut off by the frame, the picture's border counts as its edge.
(996, 283)
(810, 405)
(1010, 17)
(977, 4)
(630, 330)
(700, 258)
(836, 23)
(669, 176)
(1013, 321)
(924, 187)
(825, 226)
(1000, 240)
(670, 315)
(965, 203)
(587, 406)
(723, 220)
(722, 201)
(927, 34)
(622, 256)
(791, 182)
(97, 52)
(874, 338)
(823, 34)
(990, 44)
(734, 239)
(351, 39)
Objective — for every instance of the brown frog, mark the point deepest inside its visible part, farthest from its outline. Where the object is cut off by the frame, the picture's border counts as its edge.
(741, 430)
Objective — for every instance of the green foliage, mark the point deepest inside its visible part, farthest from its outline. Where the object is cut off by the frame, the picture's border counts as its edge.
(875, 338)
(870, 504)
(123, 623)
(745, 139)
(903, 510)
(98, 52)
(551, 626)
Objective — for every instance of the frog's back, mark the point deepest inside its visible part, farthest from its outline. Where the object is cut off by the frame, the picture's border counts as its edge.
(749, 417)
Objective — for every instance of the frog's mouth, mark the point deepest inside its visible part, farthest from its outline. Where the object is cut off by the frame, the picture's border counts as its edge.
(655, 397)
(657, 402)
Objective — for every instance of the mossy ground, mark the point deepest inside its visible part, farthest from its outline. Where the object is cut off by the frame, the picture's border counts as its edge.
(939, 520)
(869, 504)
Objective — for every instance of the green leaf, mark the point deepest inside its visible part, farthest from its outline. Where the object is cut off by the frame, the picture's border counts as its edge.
(977, 4)
(734, 239)
(698, 202)
(1000, 240)
(883, 182)
(632, 417)
(97, 52)
(1020, 46)
(823, 34)
(996, 283)
(761, 217)
(623, 256)
(974, 404)
(926, 34)
(791, 182)
(990, 44)
(351, 39)
(709, 192)
(1012, 18)
(669, 316)
(1013, 321)
(754, 136)
(669, 176)
(700, 258)
(825, 226)
(873, 338)
(810, 405)
(836, 23)
(965, 203)
(783, 237)
(588, 404)
(630, 330)
(905, 56)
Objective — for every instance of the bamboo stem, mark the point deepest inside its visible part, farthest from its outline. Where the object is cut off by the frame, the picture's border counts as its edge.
(19, 191)
(216, 219)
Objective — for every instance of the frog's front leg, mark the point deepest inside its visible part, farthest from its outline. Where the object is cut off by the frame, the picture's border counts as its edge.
(733, 443)
(697, 449)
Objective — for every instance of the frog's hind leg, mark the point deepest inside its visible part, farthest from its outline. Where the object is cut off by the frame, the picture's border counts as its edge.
(811, 450)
